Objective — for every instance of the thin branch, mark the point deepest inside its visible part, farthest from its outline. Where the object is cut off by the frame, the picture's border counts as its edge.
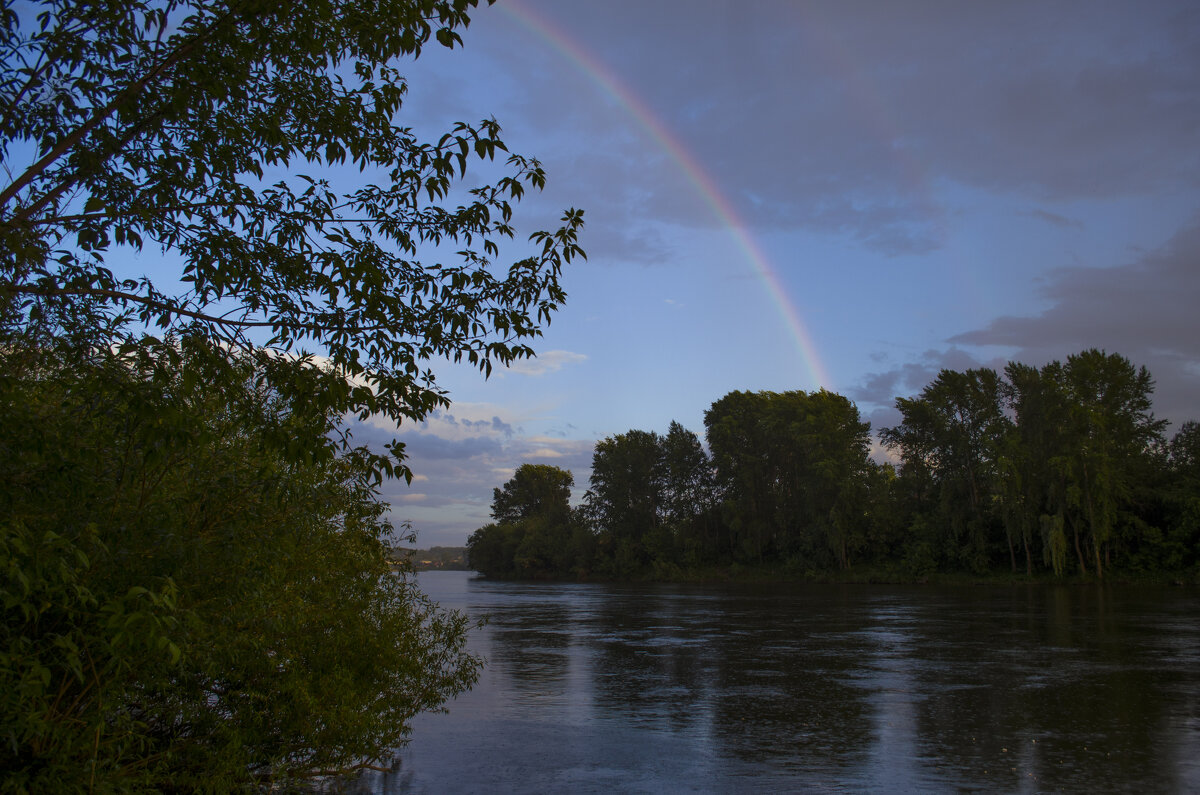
(222, 321)
(120, 295)
(291, 214)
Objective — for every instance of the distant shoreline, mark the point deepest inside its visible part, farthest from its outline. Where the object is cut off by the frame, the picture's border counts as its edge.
(773, 575)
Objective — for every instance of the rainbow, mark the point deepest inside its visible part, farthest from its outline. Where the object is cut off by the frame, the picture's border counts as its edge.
(707, 188)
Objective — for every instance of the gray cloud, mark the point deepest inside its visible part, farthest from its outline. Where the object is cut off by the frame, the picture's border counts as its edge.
(1054, 219)
(1145, 310)
(905, 380)
(844, 117)
(451, 494)
(884, 418)
(426, 446)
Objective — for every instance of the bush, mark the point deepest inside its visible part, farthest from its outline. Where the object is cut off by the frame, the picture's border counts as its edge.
(186, 606)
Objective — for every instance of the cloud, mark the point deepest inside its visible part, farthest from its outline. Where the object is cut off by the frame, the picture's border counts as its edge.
(1054, 219)
(567, 431)
(545, 362)
(881, 108)
(883, 455)
(882, 388)
(1145, 310)
(427, 446)
(459, 456)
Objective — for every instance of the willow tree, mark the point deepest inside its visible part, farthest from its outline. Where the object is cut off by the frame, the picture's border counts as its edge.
(252, 151)
(1111, 431)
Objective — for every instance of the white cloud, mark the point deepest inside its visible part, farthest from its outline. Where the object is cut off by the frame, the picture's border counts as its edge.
(461, 454)
(545, 362)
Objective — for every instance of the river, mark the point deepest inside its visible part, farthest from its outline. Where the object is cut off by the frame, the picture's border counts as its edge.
(687, 688)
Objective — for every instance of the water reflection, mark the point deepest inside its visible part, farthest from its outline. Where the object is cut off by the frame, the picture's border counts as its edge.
(597, 688)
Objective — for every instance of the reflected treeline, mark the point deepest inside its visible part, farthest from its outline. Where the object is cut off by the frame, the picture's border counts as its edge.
(1028, 689)
(1061, 469)
(736, 674)
(1069, 693)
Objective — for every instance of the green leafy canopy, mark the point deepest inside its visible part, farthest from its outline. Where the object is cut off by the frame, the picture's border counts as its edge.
(193, 579)
(167, 124)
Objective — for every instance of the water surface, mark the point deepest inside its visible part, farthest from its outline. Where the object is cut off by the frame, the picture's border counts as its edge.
(670, 688)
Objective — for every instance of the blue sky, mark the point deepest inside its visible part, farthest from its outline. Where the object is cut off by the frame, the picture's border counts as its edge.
(929, 184)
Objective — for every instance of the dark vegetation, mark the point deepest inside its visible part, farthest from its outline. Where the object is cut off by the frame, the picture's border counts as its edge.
(194, 574)
(1056, 472)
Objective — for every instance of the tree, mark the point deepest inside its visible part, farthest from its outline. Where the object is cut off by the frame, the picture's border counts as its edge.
(949, 441)
(625, 498)
(739, 446)
(534, 490)
(532, 537)
(1185, 451)
(185, 126)
(255, 143)
(794, 468)
(838, 474)
(1033, 464)
(1183, 497)
(1111, 432)
(179, 598)
(689, 491)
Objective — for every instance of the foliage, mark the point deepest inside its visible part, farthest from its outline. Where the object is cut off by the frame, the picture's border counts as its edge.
(794, 469)
(949, 443)
(532, 536)
(195, 585)
(535, 490)
(181, 127)
(1063, 466)
(1112, 434)
(689, 495)
(626, 496)
(651, 504)
(1062, 473)
(1185, 451)
(184, 606)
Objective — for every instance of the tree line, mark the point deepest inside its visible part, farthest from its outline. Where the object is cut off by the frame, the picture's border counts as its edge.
(1058, 471)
